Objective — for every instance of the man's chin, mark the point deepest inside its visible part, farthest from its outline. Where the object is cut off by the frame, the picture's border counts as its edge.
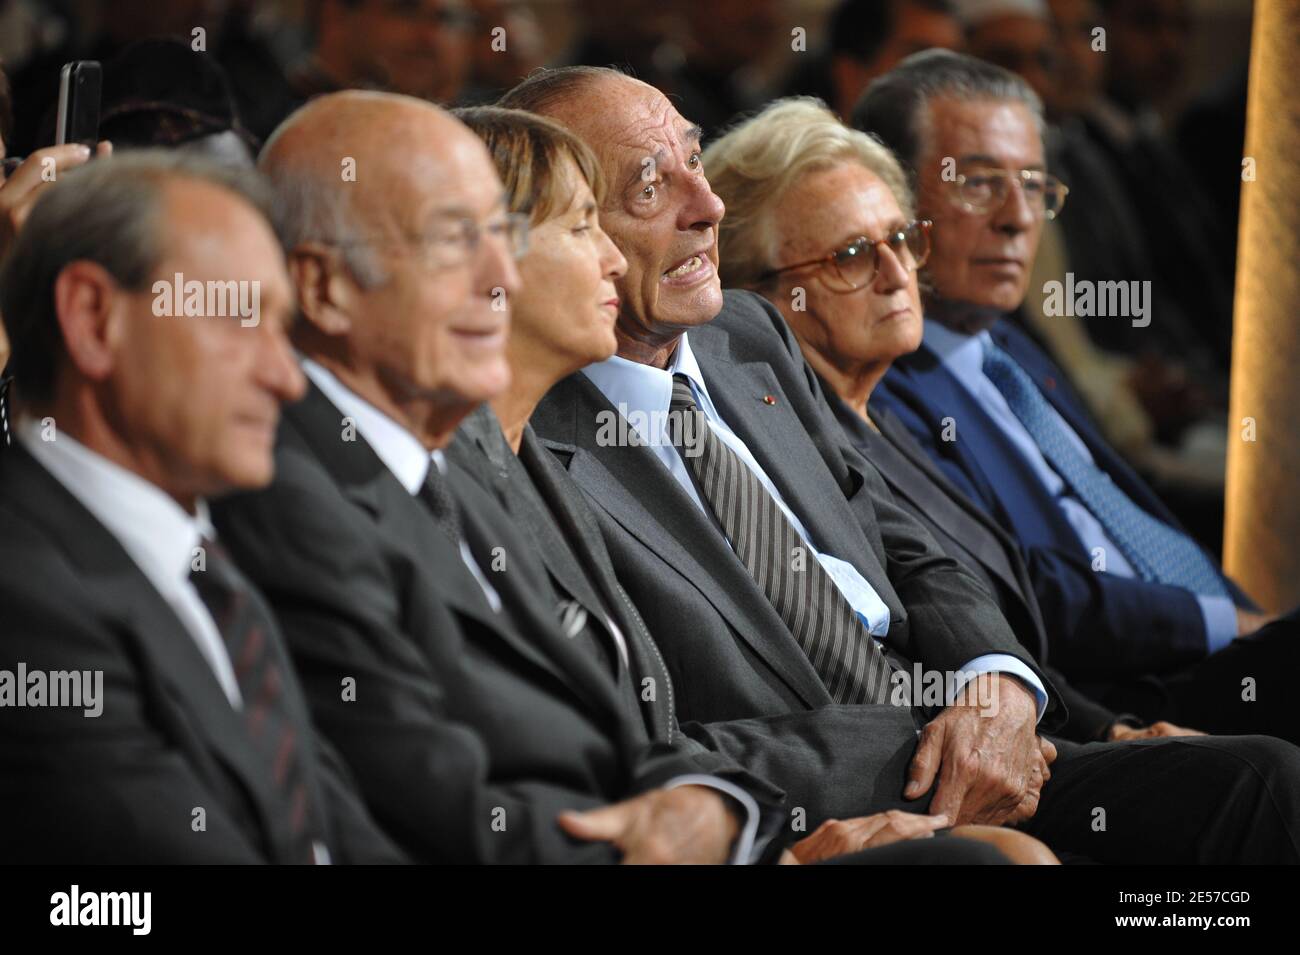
(243, 473)
(1005, 297)
(696, 307)
(483, 382)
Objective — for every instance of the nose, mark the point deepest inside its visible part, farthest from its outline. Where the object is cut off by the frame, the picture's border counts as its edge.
(496, 265)
(702, 207)
(613, 263)
(891, 273)
(1015, 215)
(278, 368)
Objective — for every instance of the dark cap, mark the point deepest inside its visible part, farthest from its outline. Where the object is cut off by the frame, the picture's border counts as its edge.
(163, 93)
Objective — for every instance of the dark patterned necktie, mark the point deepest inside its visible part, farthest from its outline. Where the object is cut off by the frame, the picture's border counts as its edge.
(441, 504)
(4, 411)
(825, 625)
(246, 629)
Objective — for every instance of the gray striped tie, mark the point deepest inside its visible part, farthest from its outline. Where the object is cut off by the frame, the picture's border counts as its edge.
(850, 664)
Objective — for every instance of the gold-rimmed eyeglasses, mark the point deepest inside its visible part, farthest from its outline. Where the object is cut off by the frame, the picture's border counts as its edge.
(854, 265)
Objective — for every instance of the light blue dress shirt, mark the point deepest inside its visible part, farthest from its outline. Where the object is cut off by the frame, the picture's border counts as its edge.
(643, 395)
(963, 356)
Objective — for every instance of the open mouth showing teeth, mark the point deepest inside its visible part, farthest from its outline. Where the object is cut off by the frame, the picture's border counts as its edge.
(693, 264)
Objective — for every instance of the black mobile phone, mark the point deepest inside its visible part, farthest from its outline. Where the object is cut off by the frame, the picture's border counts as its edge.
(79, 91)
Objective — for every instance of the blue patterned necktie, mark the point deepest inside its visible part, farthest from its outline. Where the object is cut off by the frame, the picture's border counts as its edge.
(1157, 551)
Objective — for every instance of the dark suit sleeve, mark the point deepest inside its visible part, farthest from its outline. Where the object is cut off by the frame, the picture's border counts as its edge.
(1106, 625)
(106, 789)
(830, 767)
(1098, 624)
(352, 831)
(427, 778)
(951, 618)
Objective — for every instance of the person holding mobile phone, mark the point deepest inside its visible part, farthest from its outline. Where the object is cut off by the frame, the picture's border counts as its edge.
(22, 184)
(25, 179)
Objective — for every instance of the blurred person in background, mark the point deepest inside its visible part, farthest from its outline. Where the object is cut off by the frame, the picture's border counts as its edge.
(868, 37)
(500, 60)
(163, 93)
(417, 47)
(236, 33)
(1145, 65)
(25, 180)
(1157, 390)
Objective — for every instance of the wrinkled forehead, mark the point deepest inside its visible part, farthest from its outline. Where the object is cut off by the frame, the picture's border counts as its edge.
(981, 132)
(625, 121)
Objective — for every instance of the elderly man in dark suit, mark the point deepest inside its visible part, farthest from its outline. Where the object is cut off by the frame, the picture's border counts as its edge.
(1133, 605)
(150, 713)
(770, 561)
(478, 731)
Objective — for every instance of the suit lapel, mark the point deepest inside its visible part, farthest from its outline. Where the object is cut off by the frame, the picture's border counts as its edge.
(1018, 583)
(985, 539)
(994, 464)
(536, 633)
(554, 486)
(780, 444)
(555, 534)
(366, 481)
(637, 492)
(127, 598)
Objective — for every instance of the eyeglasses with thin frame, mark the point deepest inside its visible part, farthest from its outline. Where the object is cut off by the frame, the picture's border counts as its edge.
(457, 242)
(982, 190)
(854, 265)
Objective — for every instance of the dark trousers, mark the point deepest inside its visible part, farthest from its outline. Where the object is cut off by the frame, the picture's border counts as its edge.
(943, 849)
(1188, 800)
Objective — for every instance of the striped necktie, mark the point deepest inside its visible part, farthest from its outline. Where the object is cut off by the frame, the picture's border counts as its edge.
(1158, 552)
(830, 632)
(247, 630)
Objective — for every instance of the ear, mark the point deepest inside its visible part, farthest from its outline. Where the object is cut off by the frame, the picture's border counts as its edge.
(84, 296)
(327, 293)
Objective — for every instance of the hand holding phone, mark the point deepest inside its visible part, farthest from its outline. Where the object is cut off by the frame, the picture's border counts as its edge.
(80, 86)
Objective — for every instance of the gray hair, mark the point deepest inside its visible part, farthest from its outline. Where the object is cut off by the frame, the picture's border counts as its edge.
(305, 210)
(895, 107)
(753, 166)
(545, 88)
(106, 212)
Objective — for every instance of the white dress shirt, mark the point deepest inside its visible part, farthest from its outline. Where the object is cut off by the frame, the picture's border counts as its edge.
(643, 394)
(963, 356)
(156, 533)
(399, 449)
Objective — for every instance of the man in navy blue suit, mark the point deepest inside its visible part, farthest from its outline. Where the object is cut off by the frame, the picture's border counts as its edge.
(1135, 609)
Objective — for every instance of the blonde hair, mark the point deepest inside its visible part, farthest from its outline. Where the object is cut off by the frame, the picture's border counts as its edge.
(528, 151)
(758, 161)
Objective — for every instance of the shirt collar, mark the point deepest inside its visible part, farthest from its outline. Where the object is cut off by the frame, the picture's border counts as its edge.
(157, 533)
(633, 387)
(960, 353)
(400, 450)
